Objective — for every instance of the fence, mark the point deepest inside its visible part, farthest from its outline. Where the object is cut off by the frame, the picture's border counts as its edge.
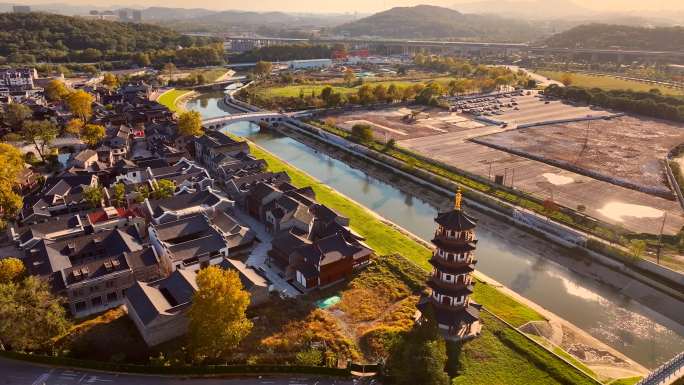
(666, 373)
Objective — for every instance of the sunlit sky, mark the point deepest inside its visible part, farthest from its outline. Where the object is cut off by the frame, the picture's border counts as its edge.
(351, 6)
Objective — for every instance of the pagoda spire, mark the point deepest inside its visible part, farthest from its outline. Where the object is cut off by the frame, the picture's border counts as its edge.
(458, 199)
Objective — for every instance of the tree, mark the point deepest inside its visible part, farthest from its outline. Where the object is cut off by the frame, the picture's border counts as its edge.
(567, 79)
(637, 248)
(110, 80)
(365, 94)
(190, 123)
(93, 195)
(142, 193)
(419, 357)
(92, 134)
(263, 68)
(169, 69)
(164, 189)
(142, 59)
(81, 104)
(380, 93)
(349, 77)
(326, 92)
(56, 90)
(362, 133)
(12, 164)
(15, 114)
(217, 315)
(11, 270)
(74, 127)
(393, 93)
(119, 194)
(31, 316)
(41, 133)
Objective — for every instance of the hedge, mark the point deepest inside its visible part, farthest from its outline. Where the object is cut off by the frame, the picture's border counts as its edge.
(175, 370)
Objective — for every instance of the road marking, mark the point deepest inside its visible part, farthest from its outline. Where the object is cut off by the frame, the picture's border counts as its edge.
(42, 378)
(82, 378)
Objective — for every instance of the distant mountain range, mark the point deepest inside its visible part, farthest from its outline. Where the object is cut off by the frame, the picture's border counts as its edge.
(427, 21)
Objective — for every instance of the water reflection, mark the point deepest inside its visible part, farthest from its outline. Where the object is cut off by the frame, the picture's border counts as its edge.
(509, 257)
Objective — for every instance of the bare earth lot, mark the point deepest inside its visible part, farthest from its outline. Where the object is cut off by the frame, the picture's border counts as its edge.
(629, 148)
(444, 136)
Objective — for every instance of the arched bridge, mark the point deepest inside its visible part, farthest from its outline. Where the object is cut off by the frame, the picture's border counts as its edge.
(254, 117)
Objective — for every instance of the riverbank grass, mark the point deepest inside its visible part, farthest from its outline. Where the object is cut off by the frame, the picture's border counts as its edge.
(170, 97)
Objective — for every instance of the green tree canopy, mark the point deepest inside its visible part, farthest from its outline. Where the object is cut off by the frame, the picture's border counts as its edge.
(15, 114)
(31, 316)
(190, 123)
(56, 90)
(81, 104)
(164, 189)
(93, 195)
(11, 270)
(41, 133)
(92, 134)
(362, 132)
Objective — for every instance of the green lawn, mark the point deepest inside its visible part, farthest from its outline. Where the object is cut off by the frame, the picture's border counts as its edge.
(169, 98)
(307, 89)
(502, 356)
(626, 381)
(608, 82)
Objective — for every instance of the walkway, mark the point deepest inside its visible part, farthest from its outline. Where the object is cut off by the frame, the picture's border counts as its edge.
(257, 258)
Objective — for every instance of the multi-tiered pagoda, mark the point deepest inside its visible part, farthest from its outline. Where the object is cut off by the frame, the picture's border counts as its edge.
(451, 282)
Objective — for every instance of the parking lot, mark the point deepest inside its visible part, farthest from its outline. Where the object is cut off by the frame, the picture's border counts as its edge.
(524, 108)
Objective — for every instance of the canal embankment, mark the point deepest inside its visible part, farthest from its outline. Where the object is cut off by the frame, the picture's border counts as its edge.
(529, 265)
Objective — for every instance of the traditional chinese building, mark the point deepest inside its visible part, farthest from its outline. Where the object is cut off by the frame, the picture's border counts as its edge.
(451, 282)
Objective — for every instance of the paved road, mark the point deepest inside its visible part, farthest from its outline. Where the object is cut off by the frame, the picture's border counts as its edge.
(23, 373)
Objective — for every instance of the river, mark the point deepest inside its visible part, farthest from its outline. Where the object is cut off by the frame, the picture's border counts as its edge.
(640, 333)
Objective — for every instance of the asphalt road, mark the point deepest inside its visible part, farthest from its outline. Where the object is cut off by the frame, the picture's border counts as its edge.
(23, 373)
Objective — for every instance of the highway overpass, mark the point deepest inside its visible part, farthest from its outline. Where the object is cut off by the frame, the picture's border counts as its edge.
(466, 47)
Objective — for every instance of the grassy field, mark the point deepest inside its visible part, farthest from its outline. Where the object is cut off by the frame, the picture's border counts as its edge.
(608, 82)
(502, 356)
(169, 98)
(307, 89)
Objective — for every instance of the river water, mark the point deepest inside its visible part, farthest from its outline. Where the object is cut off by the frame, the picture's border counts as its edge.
(628, 326)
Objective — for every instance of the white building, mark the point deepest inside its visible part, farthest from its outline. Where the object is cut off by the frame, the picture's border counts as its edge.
(309, 64)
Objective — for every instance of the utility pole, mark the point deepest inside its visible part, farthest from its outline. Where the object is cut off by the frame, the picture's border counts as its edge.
(660, 238)
(512, 177)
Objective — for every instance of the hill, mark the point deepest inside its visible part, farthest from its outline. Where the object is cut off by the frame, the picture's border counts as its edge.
(426, 21)
(55, 38)
(606, 36)
(226, 21)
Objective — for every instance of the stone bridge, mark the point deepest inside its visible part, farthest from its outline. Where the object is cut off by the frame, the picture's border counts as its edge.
(254, 117)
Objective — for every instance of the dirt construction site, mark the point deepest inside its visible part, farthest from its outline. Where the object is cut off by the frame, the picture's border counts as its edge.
(609, 165)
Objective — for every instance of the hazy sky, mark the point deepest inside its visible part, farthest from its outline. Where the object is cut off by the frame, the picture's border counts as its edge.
(352, 5)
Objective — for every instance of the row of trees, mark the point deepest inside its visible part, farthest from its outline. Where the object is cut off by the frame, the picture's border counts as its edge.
(645, 103)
